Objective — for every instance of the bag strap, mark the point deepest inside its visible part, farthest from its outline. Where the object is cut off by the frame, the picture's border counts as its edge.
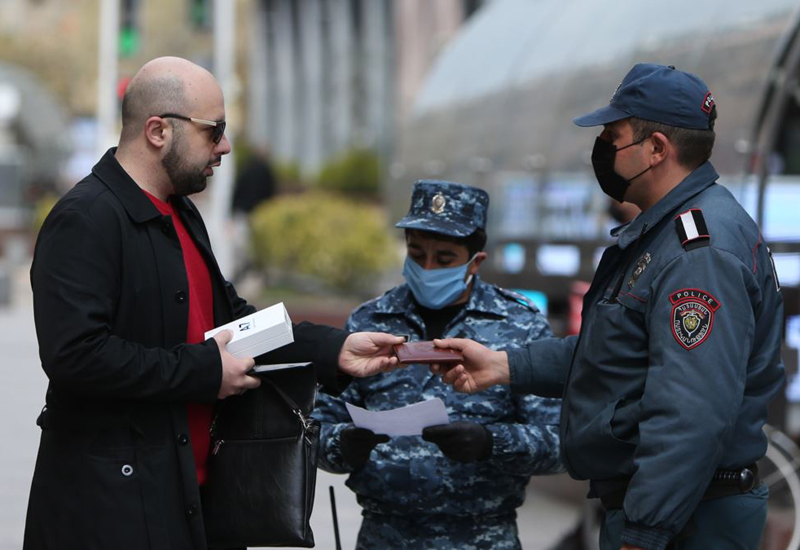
(289, 401)
(305, 421)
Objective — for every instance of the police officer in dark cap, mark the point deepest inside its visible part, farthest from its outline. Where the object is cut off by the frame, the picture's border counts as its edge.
(459, 484)
(666, 387)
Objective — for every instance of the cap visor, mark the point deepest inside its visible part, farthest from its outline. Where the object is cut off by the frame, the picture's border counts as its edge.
(601, 116)
(442, 227)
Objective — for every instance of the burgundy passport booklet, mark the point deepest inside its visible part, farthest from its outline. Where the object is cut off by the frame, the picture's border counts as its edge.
(426, 353)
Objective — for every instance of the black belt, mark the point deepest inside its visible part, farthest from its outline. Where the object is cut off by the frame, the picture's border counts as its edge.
(724, 483)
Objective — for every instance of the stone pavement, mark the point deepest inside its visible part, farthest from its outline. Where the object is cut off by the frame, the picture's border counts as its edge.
(21, 399)
(542, 520)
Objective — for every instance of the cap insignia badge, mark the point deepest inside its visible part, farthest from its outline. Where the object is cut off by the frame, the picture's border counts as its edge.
(708, 103)
(437, 204)
(641, 265)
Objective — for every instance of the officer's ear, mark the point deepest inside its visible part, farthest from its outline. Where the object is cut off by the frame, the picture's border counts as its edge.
(480, 257)
(660, 148)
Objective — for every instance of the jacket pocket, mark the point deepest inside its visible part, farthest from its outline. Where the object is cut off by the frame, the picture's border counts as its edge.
(624, 423)
(614, 346)
(83, 500)
(595, 452)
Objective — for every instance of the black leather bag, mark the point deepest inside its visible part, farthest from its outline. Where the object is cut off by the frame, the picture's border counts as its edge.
(263, 465)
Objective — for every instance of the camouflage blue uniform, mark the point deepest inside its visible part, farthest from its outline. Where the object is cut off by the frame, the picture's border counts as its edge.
(412, 495)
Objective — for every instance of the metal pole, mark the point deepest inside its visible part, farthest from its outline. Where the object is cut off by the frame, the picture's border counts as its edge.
(107, 68)
(335, 519)
(285, 83)
(222, 185)
(309, 152)
(258, 78)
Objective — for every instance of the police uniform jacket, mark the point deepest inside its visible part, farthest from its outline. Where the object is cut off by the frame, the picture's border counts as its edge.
(409, 476)
(115, 467)
(676, 361)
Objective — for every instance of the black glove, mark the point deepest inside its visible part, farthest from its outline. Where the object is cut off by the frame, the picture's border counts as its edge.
(357, 444)
(461, 441)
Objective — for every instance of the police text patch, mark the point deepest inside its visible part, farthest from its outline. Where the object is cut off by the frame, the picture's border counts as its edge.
(692, 316)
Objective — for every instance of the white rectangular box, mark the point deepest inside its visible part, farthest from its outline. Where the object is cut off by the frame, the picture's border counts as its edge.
(259, 332)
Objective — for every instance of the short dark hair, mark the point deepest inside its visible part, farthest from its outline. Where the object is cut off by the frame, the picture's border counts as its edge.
(693, 146)
(475, 242)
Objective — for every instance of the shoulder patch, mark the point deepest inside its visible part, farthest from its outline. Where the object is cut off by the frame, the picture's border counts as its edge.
(517, 297)
(692, 230)
(692, 316)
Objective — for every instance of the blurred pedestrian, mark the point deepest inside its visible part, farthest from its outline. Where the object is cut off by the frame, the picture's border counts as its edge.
(125, 286)
(666, 387)
(255, 184)
(457, 486)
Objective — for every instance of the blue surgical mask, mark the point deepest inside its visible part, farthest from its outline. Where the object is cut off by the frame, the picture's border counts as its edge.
(436, 288)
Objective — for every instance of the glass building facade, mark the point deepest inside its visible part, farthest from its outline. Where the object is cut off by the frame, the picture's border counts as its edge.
(496, 111)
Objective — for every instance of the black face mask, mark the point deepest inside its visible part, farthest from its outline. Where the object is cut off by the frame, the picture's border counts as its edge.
(603, 156)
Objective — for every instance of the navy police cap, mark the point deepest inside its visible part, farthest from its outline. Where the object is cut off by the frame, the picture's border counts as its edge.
(447, 208)
(658, 93)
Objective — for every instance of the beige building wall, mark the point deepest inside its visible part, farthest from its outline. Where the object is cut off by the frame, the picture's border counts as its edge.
(423, 28)
(58, 41)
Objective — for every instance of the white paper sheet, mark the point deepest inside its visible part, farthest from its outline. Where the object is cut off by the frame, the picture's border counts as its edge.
(408, 420)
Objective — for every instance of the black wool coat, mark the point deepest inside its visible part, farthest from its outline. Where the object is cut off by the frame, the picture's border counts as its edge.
(115, 468)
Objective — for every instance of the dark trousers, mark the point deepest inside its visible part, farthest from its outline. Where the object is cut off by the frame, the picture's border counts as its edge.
(729, 523)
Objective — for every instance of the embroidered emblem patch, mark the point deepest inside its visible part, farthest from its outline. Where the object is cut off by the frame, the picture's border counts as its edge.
(692, 316)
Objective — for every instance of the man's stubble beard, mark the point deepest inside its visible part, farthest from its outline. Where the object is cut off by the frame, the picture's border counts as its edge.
(185, 181)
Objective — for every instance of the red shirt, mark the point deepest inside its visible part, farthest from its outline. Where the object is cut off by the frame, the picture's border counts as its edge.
(201, 319)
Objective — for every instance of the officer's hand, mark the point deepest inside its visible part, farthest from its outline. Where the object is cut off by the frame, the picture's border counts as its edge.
(629, 547)
(461, 441)
(357, 444)
(482, 368)
(235, 380)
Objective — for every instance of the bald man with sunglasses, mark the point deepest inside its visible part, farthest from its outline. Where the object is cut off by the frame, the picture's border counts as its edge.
(125, 285)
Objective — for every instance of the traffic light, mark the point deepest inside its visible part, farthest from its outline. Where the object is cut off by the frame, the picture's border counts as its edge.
(129, 33)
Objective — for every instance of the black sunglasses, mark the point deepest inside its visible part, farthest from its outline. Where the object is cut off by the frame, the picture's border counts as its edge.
(218, 125)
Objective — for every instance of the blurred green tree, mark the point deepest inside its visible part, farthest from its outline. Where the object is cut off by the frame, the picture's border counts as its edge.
(356, 172)
(341, 242)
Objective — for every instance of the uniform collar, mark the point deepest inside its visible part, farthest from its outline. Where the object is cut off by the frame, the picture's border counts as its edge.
(139, 207)
(482, 299)
(698, 180)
